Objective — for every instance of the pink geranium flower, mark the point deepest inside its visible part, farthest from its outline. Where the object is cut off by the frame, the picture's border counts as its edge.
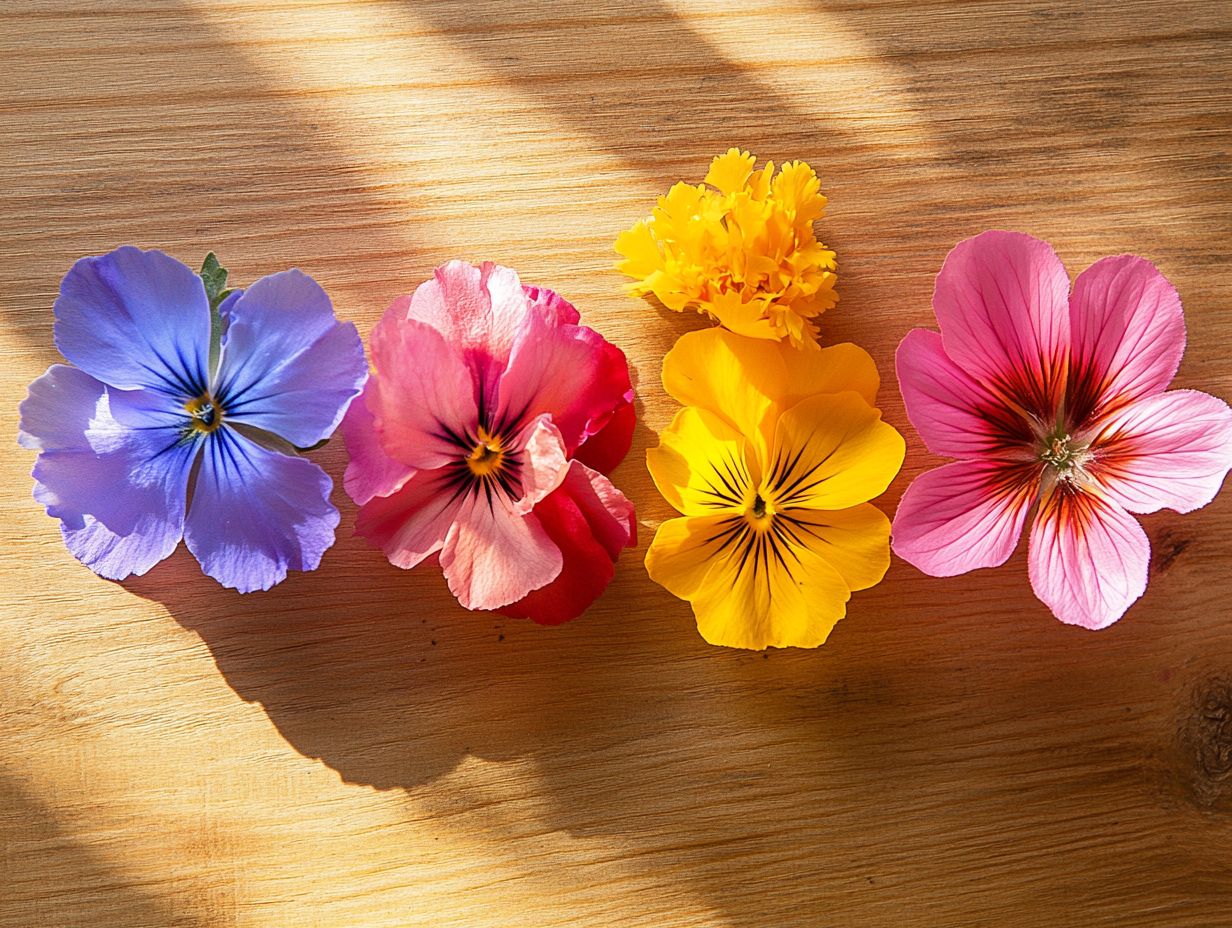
(1055, 400)
(483, 438)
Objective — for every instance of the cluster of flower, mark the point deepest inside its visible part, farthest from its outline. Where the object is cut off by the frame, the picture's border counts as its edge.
(484, 436)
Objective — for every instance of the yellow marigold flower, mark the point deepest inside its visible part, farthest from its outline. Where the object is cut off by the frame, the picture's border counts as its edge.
(771, 464)
(741, 250)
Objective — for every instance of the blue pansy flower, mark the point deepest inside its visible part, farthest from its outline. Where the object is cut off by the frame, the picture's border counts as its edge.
(182, 416)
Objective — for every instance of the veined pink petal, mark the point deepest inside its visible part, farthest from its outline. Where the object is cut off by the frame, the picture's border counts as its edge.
(411, 524)
(423, 397)
(479, 310)
(1088, 558)
(954, 414)
(1002, 299)
(570, 372)
(590, 521)
(370, 471)
(1172, 449)
(544, 464)
(552, 306)
(494, 556)
(1128, 335)
(964, 515)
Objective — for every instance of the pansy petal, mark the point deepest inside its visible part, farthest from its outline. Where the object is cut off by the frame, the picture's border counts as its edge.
(590, 521)
(742, 379)
(551, 306)
(535, 382)
(370, 472)
(1002, 299)
(411, 524)
(832, 451)
(114, 469)
(952, 412)
(683, 550)
(607, 447)
(477, 309)
(1173, 449)
(855, 541)
(288, 366)
(700, 465)
(423, 399)
(1128, 336)
(133, 319)
(257, 513)
(761, 601)
(1088, 558)
(964, 516)
(493, 557)
(543, 463)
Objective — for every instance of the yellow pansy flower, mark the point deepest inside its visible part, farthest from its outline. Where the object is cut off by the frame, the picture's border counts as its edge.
(771, 464)
(739, 247)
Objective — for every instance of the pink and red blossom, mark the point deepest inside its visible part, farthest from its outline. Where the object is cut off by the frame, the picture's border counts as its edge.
(1053, 400)
(483, 440)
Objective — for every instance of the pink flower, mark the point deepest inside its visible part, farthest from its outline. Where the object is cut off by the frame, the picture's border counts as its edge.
(1053, 399)
(483, 438)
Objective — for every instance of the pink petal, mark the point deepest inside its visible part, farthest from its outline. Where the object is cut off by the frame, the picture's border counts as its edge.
(1173, 449)
(607, 446)
(493, 556)
(543, 463)
(424, 395)
(411, 525)
(370, 471)
(568, 371)
(1128, 335)
(1088, 558)
(1002, 301)
(954, 414)
(552, 306)
(479, 310)
(590, 521)
(964, 516)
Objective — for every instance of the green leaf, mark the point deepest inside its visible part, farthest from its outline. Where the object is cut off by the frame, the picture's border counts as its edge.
(214, 276)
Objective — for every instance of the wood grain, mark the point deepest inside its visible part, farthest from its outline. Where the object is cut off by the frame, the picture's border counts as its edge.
(352, 749)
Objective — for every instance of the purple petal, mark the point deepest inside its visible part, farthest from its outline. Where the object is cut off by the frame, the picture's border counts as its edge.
(134, 318)
(257, 513)
(113, 469)
(288, 366)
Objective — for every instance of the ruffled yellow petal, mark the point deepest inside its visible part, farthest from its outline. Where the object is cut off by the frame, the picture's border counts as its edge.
(642, 256)
(832, 452)
(728, 172)
(700, 464)
(741, 248)
(757, 597)
(855, 541)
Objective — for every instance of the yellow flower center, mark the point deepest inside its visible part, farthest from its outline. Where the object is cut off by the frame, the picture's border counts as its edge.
(204, 414)
(488, 455)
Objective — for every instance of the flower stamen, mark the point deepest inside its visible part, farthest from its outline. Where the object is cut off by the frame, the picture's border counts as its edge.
(488, 455)
(205, 415)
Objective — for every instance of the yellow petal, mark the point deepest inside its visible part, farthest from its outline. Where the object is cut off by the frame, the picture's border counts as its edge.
(758, 601)
(640, 251)
(855, 541)
(683, 550)
(712, 370)
(700, 464)
(729, 171)
(832, 452)
(741, 378)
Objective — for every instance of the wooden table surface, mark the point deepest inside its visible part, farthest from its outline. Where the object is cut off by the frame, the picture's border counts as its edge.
(354, 749)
